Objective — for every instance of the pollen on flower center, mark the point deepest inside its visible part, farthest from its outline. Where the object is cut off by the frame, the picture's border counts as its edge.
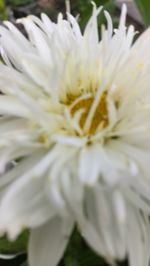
(100, 116)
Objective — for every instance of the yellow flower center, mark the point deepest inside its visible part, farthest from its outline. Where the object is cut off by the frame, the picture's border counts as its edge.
(100, 116)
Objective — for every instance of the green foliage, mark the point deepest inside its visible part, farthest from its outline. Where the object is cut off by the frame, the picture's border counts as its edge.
(144, 8)
(18, 245)
(14, 3)
(3, 11)
(24, 264)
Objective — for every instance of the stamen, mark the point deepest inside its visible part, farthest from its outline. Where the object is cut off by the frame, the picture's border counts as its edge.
(93, 107)
(100, 115)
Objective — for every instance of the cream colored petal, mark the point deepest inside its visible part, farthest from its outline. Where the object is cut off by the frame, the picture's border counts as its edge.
(48, 242)
(9, 105)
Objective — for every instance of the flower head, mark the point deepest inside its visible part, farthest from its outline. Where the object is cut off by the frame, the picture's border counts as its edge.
(75, 119)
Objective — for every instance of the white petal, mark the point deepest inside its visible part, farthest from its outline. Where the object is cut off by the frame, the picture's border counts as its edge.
(7, 256)
(18, 36)
(11, 106)
(72, 190)
(37, 38)
(37, 70)
(142, 46)
(48, 25)
(102, 226)
(138, 238)
(33, 207)
(20, 168)
(21, 81)
(11, 46)
(91, 30)
(48, 242)
(123, 18)
(28, 207)
(90, 164)
(75, 26)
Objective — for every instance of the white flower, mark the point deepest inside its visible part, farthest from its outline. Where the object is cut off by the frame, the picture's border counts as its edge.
(75, 117)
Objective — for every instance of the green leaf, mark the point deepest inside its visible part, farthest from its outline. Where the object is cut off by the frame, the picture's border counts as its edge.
(18, 245)
(14, 3)
(144, 8)
(24, 264)
(3, 10)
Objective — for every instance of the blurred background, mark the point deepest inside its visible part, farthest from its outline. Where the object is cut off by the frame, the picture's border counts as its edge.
(138, 10)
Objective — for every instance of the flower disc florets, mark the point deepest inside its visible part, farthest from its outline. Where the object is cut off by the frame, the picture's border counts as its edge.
(100, 114)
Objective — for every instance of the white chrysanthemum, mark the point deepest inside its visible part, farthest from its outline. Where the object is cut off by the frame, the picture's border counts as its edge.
(75, 116)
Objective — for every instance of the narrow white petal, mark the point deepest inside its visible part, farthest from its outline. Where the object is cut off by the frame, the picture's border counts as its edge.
(137, 241)
(37, 38)
(108, 237)
(37, 70)
(91, 30)
(7, 257)
(11, 106)
(18, 36)
(90, 164)
(16, 172)
(48, 242)
(75, 26)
